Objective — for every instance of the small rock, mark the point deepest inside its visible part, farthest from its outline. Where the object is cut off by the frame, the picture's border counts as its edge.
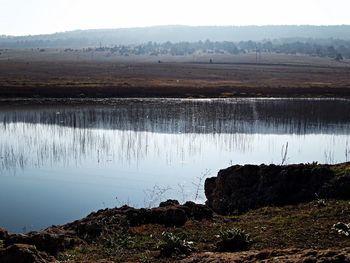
(169, 202)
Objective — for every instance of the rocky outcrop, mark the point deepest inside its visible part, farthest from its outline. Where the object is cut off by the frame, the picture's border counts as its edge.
(198, 211)
(22, 253)
(169, 213)
(168, 216)
(286, 255)
(239, 188)
(50, 243)
(107, 222)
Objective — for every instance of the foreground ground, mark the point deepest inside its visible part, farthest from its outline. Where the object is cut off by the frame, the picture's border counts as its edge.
(78, 74)
(306, 226)
(304, 229)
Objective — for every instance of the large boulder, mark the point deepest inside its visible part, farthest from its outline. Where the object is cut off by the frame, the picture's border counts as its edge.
(239, 188)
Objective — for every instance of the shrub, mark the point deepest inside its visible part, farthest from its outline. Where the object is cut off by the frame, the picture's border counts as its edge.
(174, 246)
(233, 240)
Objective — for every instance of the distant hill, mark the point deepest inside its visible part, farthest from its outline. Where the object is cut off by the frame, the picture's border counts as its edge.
(161, 34)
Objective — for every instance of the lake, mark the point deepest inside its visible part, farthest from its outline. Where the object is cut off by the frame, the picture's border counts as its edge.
(61, 160)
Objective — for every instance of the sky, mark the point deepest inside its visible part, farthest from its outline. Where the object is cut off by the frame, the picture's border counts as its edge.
(30, 17)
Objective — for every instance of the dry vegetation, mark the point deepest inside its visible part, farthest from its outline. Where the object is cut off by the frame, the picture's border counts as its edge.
(304, 226)
(55, 74)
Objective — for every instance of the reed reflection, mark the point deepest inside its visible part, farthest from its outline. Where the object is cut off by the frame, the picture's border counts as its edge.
(127, 131)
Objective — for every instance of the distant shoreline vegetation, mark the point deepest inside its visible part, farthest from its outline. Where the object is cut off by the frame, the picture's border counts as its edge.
(331, 48)
(323, 41)
(337, 49)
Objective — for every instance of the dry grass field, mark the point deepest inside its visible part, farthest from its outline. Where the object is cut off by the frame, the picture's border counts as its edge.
(56, 73)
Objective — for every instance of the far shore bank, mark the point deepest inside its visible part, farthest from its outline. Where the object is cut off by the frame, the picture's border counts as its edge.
(114, 92)
(121, 79)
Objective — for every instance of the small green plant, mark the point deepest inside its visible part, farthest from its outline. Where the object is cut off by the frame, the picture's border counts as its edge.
(174, 246)
(145, 258)
(320, 202)
(233, 240)
(342, 229)
(116, 244)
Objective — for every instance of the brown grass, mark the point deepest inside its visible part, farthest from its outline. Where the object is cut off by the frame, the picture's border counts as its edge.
(67, 78)
(301, 226)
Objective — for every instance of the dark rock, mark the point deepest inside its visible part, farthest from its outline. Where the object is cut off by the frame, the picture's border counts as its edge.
(44, 241)
(21, 253)
(168, 216)
(239, 188)
(169, 202)
(171, 216)
(97, 224)
(198, 211)
(90, 230)
(337, 187)
(3, 233)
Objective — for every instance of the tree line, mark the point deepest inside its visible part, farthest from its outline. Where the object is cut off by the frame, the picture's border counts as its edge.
(337, 49)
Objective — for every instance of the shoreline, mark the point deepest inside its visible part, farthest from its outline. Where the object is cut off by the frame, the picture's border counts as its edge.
(42, 101)
(176, 92)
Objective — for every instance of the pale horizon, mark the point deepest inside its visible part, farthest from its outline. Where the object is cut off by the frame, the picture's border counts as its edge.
(34, 17)
(178, 25)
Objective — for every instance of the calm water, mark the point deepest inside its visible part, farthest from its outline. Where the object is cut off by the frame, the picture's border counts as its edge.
(60, 162)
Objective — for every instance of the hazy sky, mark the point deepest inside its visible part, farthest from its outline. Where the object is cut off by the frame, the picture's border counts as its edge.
(22, 17)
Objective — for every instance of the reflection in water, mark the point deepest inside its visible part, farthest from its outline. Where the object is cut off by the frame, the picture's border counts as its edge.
(82, 156)
(193, 116)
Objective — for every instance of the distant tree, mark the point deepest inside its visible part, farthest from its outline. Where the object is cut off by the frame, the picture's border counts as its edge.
(339, 57)
(331, 52)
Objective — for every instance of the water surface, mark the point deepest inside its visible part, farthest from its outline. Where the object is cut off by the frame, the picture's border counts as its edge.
(58, 162)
